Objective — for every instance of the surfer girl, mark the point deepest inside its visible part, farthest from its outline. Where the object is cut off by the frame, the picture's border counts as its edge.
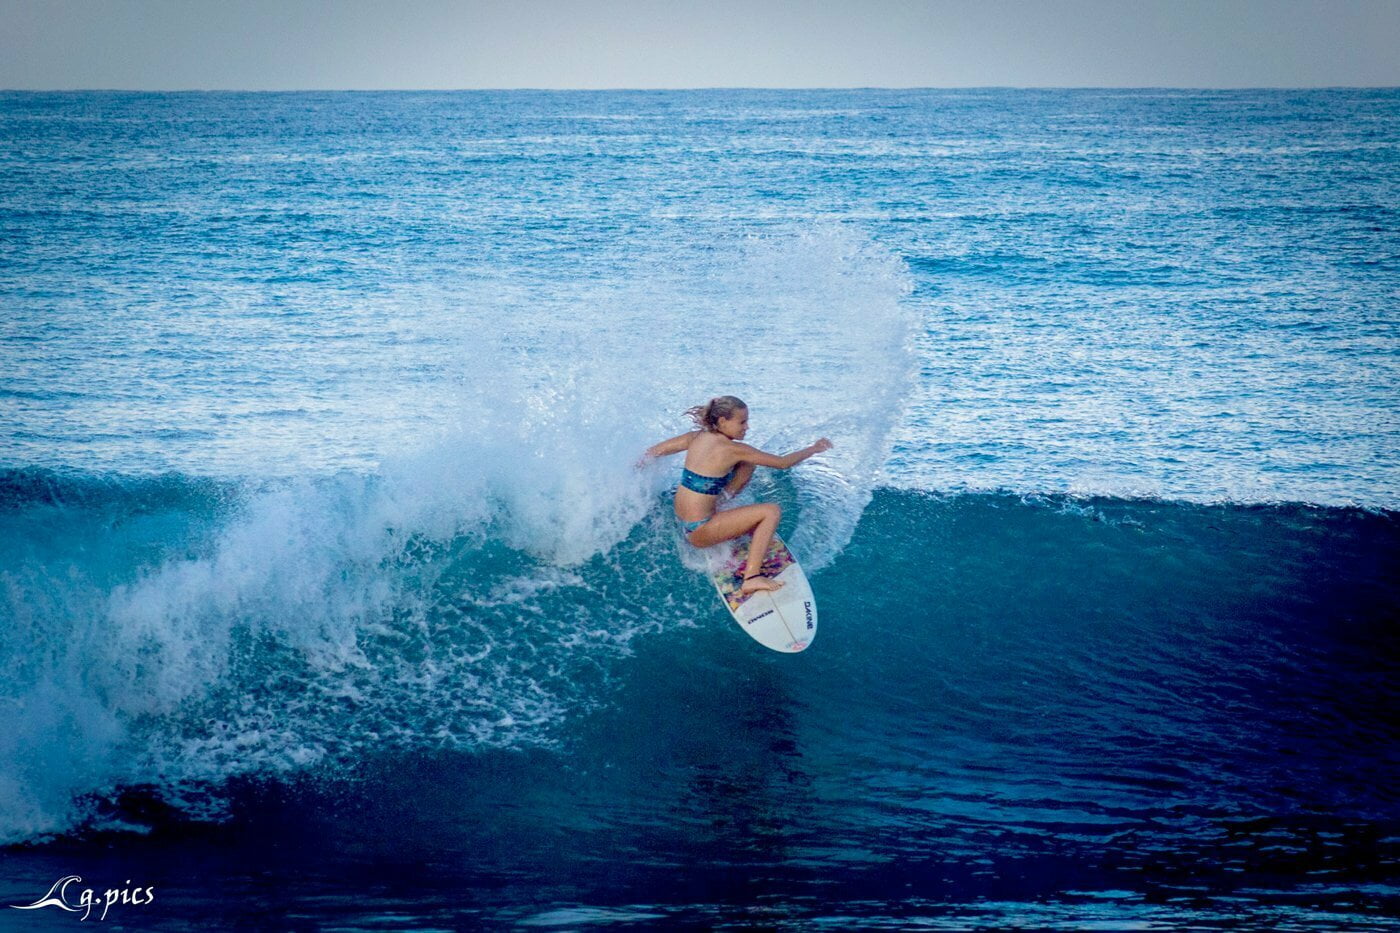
(717, 462)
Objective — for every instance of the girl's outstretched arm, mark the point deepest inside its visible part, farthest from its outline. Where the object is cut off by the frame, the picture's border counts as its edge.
(786, 461)
(672, 445)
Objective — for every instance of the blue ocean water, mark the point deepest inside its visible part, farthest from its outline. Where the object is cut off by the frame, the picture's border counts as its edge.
(332, 596)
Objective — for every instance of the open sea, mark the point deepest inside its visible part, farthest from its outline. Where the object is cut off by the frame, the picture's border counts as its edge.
(332, 597)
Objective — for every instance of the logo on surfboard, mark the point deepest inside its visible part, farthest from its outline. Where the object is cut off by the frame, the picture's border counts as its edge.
(769, 612)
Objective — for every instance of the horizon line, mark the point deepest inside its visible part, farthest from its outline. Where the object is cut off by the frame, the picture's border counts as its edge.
(715, 87)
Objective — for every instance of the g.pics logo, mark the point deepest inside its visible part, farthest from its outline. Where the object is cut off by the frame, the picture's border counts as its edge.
(87, 900)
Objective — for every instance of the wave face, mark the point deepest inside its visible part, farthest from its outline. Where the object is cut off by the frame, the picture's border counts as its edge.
(1117, 691)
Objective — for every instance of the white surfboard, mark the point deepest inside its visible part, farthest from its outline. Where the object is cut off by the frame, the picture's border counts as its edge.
(784, 619)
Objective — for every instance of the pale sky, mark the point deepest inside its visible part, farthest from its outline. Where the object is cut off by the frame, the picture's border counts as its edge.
(447, 44)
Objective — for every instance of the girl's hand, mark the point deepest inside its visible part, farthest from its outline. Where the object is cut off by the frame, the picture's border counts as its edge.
(821, 446)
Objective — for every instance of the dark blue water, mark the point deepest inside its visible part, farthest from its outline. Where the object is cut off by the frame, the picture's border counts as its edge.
(331, 596)
(1021, 711)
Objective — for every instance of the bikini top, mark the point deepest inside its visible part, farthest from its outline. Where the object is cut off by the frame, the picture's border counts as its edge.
(705, 485)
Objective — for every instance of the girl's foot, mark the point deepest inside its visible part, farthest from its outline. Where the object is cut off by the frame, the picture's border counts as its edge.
(759, 582)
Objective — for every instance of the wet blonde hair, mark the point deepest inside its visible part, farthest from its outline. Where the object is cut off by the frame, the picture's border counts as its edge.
(706, 417)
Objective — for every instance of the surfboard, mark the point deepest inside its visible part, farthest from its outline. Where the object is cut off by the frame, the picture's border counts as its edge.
(785, 619)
